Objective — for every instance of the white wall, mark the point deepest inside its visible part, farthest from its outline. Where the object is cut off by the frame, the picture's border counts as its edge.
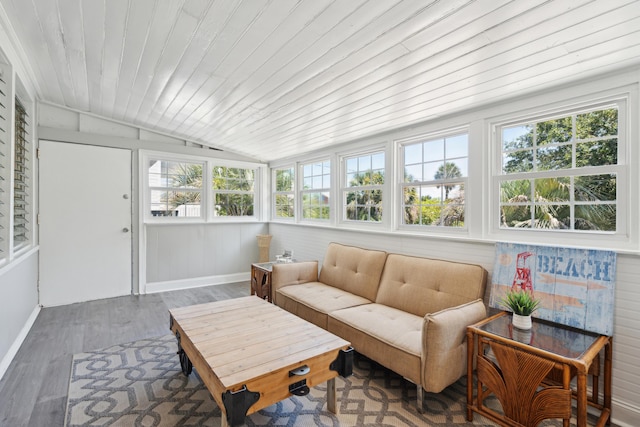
(19, 277)
(18, 305)
(179, 256)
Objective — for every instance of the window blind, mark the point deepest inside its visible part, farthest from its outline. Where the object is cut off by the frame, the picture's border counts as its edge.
(4, 147)
(21, 178)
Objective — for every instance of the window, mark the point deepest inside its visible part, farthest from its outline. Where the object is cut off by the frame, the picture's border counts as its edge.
(316, 188)
(284, 195)
(175, 188)
(233, 191)
(561, 172)
(5, 143)
(432, 188)
(21, 184)
(362, 191)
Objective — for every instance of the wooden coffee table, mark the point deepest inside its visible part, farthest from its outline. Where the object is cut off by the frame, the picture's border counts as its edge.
(251, 354)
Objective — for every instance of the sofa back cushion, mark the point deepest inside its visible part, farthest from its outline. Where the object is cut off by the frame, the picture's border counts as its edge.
(352, 269)
(422, 285)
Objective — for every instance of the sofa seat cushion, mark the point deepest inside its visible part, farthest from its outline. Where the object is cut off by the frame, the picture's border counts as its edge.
(390, 336)
(314, 300)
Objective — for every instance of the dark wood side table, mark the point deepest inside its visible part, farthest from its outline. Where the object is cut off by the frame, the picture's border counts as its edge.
(516, 366)
(261, 279)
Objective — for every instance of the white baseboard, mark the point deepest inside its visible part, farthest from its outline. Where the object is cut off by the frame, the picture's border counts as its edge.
(13, 350)
(624, 414)
(198, 282)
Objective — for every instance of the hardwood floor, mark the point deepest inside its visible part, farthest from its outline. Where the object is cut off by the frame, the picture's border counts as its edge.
(33, 391)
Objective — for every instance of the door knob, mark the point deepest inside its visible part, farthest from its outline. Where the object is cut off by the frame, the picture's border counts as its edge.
(125, 230)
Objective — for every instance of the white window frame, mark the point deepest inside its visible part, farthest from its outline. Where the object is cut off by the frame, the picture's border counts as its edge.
(400, 184)
(626, 209)
(275, 193)
(207, 195)
(302, 191)
(344, 189)
(212, 192)
(149, 188)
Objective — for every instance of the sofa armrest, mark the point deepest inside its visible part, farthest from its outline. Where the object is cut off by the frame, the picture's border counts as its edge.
(292, 274)
(444, 344)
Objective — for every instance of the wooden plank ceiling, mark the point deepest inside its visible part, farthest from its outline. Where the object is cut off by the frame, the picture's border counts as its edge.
(275, 78)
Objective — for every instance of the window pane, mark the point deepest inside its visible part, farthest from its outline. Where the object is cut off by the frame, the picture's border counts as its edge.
(434, 150)
(552, 217)
(284, 179)
(453, 215)
(515, 216)
(434, 170)
(413, 173)
(164, 173)
(595, 217)
(364, 163)
(552, 190)
(554, 157)
(593, 188)
(597, 124)
(233, 204)
(352, 165)
(597, 153)
(517, 137)
(284, 206)
(234, 179)
(457, 146)
(412, 154)
(518, 191)
(315, 205)
(517, 161)
(175, 203)
(554, 131)
(377, 161)
(317, 175)
(364, 205)
(326, 181)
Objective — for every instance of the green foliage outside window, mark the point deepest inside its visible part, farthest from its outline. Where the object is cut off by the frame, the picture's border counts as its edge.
(434, 181)
(175, 187)
(365, 205)
(233, 191)
(570, 200)
(316, 182)
(284, 194)
(364, 176)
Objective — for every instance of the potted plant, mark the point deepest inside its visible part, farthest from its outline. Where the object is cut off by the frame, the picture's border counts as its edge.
(522, 303)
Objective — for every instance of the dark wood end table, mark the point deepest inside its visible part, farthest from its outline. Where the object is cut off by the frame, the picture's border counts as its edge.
(261, 279)
(517, 367)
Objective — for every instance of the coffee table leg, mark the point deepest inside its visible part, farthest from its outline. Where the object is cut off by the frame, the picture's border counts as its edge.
(331, 396)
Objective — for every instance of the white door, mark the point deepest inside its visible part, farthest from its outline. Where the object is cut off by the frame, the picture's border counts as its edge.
(85, 223)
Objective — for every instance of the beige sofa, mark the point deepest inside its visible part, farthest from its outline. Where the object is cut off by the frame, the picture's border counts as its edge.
(407, 313)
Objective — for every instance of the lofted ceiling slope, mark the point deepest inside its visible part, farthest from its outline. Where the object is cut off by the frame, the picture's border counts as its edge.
(274, 78)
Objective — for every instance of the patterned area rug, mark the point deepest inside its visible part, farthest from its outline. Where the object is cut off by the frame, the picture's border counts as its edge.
(141, 384)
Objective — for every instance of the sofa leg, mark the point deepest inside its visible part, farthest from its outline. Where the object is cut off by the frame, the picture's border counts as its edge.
(420, 398)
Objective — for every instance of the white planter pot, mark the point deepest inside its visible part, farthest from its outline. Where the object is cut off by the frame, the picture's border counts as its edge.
(521, 322)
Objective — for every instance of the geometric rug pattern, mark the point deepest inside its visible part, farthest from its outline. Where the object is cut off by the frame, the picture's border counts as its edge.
(141, 384)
